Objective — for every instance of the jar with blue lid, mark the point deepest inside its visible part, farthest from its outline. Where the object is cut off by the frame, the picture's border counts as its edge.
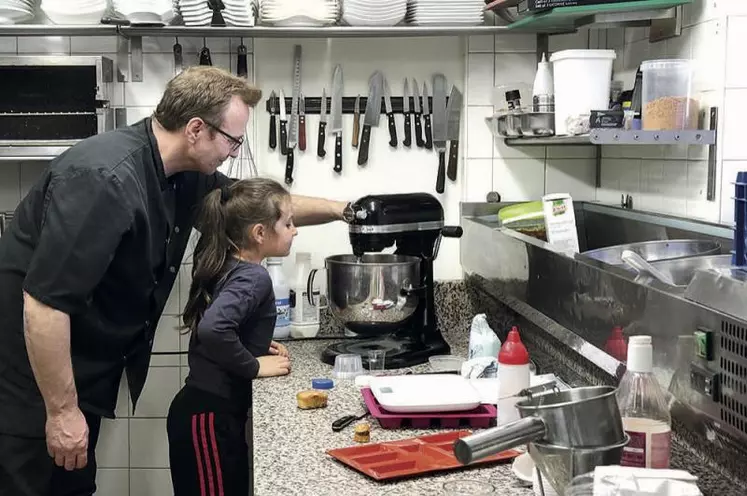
(322, 384)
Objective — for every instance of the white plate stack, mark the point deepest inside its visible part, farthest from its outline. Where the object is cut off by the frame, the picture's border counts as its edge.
(16, 11)
(145, 11)
(74, 11)
(445, 12)
(373, 12)
(299, 12)
(236, 12)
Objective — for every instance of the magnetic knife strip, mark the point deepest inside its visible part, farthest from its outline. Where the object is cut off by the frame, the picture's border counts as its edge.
(313, 105)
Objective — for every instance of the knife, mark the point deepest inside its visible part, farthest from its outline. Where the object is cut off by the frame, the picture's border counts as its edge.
(241, 63)
(273, 124)
(356, 120)
(439, 127)
(418, 111)
(406, 111)
(293, 127)
(453, 114)
(283, 125)
(336, 113)
(390, 115)
(320, 151)
(371, 118)
(427, 116)
(302, 123)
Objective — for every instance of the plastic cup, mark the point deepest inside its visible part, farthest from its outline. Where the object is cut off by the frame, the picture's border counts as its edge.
(347, 366)
(376, 361)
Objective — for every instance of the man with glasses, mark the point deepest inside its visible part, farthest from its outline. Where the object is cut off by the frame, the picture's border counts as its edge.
(86, 268)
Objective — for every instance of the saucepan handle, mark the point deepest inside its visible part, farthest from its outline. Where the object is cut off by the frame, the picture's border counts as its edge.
(491, 441)
(310, 289)
(412, 291)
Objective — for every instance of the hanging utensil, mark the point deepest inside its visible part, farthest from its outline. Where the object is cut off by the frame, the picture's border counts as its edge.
(439, 127)
(302, 123)
(273, 125)
(205, 54)
(418, 112)
(283, 125)
(216, 6)
(336, 113)
(178, 57)
(320, 151)
(356, 120)
(454, 115)
(427, 117)
(406, 112)
(241, 62)
(390, 115)
(373, 112)
(293, 128)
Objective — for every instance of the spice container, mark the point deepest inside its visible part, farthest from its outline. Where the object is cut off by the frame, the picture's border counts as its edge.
(667, 95)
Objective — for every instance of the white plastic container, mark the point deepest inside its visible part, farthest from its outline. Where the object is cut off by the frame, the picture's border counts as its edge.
(513, 376)
(581, 80)
(282, 298)
(304, 316)
(667, 101)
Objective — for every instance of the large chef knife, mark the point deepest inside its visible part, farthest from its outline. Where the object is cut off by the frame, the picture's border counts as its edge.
(418, 111)
(439, 127)
(273, 123)
(356, 121)
(406, 111)
(373, 112)
(320, 151)
(302, 123)
(336, 113)
(427, 117)
(390, 115)
(453, 115)
(293, 127)
(283, 125)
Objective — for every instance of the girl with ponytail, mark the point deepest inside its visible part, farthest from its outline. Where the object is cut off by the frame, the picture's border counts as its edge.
(231, 316)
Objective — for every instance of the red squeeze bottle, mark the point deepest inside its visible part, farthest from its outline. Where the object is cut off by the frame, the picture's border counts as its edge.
(616, 345)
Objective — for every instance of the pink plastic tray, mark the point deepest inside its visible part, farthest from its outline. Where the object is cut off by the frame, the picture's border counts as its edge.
(482, 417)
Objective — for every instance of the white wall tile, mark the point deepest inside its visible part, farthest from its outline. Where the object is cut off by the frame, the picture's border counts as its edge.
(184, 348)
(162, 385)
(514, 43)
(135, 114)
(697, 182)
(157, 71)
(615, 38)
(573, 176)
(44, 45)
(113, 482)
(80, 45)
(10, 179)
(705, 10)
(149, 445)
(30, 174)
(735, 108)
(708, 55)
(519, 179)
(633, 35)
(478, 179)
(571, 152)
(736, 41)
(480, 82)
(166, 340)
(572, 41)
(513, 68)
(729, 175)
(479, 137)
(8, 45)
(481, 44)
(113, 448)
(151, 482)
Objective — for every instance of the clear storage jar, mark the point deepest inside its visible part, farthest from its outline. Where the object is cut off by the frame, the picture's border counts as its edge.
(667, 102)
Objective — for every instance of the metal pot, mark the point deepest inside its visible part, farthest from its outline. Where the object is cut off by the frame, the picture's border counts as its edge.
(374, 294)
(652, 251)
(557, 418)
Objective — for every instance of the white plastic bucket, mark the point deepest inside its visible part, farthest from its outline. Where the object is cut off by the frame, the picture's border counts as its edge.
(581, 80)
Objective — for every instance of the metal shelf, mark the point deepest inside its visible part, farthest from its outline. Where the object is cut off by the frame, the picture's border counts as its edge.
(623, 137)
(33, 150)
(311, 32)
(58, 30)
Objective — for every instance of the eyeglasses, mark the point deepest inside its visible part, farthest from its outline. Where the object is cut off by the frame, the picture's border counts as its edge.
(235, 142)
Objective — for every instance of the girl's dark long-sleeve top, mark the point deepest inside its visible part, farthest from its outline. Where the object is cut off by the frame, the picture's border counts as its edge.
(235, 329)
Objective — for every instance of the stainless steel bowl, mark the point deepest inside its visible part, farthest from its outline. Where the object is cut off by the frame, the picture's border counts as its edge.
(652, 251)
(374, 294)
(682, 271)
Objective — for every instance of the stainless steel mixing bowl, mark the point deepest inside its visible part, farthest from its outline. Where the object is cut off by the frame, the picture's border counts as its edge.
(652, 251)
(374, 294)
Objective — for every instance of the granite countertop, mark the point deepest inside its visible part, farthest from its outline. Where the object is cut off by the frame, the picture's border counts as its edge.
(290, 444)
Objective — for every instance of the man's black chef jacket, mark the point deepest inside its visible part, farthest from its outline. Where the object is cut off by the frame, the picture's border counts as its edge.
(100, 237)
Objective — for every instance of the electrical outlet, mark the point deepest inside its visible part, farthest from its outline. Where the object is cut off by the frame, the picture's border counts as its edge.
(704, 381)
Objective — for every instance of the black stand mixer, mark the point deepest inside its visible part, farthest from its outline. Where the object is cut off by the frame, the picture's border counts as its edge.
(413, 222)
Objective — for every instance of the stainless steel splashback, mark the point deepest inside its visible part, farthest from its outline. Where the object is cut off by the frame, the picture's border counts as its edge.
(579, 300)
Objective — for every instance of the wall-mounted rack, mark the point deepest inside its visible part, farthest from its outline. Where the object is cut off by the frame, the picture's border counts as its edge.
(313, 105)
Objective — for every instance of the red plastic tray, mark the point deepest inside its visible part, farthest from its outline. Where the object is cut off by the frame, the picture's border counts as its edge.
(409, 457)
(482, 417)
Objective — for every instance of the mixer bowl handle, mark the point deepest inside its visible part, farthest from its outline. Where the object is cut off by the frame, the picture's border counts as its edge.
(310, 289)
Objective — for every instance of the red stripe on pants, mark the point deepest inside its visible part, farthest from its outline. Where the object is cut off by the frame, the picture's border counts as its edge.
(208, 467)
(196, 444)
(216, 457)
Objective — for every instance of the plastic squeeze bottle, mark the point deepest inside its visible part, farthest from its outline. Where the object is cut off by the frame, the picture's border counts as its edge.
(513, 376)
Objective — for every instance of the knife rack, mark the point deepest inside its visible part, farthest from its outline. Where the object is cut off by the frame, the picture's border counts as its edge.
(313, 105)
